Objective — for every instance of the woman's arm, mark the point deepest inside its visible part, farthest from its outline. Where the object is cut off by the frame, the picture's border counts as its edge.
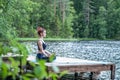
(47, 52)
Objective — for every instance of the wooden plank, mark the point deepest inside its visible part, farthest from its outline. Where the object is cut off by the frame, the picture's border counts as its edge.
(84, 67)
(79, 65)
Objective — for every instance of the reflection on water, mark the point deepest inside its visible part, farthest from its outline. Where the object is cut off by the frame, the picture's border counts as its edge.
(91, 50)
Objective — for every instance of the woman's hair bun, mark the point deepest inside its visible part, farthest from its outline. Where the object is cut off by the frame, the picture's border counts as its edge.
(40, 30)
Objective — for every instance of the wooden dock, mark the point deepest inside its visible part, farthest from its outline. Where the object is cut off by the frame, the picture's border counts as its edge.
(79, 65)
(76, 65)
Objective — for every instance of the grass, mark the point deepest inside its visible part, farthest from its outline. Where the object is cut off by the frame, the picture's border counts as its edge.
(56, 39)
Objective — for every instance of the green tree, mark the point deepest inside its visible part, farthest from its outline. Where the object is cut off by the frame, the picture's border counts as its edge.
(82, 19)
(101, 21)
(78, 21)
(113, 19)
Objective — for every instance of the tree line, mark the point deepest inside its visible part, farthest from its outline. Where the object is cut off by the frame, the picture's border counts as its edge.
(61, 18)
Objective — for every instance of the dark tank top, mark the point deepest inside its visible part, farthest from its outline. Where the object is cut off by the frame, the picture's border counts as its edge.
(43, 45)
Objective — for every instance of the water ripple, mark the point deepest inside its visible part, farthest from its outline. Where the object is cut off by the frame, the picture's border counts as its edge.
(90, 50)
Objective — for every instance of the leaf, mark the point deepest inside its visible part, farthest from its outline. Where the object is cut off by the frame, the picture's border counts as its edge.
(54, 76)
(63, 73)
(40, 70)
(3, 70)
(52, 57)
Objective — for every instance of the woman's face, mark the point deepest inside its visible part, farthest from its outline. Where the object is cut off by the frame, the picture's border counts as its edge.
(44, 33)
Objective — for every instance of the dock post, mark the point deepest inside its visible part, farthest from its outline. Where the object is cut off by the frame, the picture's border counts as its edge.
(76, 75)
(112, 72)
(91, 75)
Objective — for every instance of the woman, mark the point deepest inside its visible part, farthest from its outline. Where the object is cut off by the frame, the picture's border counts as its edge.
(42, 53)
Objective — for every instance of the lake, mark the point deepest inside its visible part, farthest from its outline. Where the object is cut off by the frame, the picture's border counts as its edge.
(108, 51)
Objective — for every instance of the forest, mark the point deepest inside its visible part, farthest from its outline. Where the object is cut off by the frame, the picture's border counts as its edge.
(98, 19)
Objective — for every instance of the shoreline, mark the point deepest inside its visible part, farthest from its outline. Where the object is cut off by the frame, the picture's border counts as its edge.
(60, 39)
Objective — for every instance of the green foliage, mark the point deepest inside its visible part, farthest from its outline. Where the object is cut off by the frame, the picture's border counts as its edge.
(4, 49)
(113, 19)
(61, 18)
(15, 66)
(3, 70)
(25, 15)
(86, 32)
(40, 70)
(14, 69)
(101, 22)
(96, 19)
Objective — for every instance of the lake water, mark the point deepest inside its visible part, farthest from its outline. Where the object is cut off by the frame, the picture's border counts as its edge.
(108, 51)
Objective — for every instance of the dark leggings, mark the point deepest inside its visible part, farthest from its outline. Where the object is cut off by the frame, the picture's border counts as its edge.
(41, 56)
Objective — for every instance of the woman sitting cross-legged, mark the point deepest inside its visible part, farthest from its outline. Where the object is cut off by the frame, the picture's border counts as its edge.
(42, 53)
